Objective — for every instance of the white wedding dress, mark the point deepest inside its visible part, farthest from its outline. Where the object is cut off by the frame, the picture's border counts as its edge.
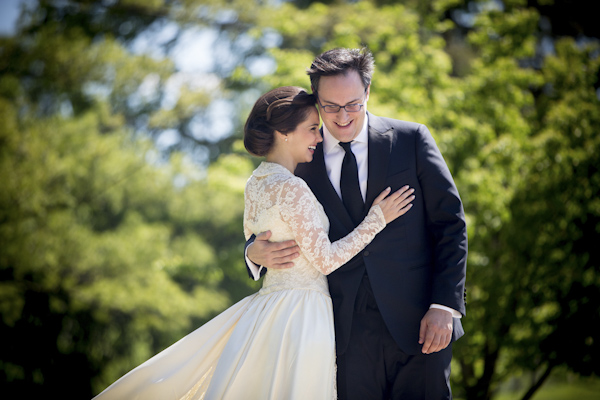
(275, 344)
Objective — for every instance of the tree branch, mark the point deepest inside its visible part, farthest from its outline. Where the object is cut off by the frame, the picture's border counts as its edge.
(539, 382)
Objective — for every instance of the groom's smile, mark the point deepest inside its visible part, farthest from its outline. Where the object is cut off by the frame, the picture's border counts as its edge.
(343, 91)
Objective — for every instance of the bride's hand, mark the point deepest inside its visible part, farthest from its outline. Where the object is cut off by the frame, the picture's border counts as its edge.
(395, 204)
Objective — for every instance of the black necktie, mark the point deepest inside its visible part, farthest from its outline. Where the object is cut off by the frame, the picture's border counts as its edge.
(349, 185)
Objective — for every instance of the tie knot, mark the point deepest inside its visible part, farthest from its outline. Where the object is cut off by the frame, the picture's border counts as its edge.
(346, 146)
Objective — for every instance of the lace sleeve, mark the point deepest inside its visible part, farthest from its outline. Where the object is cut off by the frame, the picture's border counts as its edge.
(247, 230)
(299, 210)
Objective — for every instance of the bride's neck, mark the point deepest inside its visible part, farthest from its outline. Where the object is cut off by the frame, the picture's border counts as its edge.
(283, 160)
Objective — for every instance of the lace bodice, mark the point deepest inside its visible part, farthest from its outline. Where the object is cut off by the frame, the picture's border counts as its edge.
(278, 201)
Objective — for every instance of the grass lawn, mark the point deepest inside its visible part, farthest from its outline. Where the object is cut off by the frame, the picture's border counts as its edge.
(581, 389)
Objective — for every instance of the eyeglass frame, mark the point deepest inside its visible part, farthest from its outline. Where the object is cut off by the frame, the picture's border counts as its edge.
(360, 106)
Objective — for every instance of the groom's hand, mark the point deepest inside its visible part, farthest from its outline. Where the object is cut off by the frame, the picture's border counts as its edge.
(436, 330)
(272, 255)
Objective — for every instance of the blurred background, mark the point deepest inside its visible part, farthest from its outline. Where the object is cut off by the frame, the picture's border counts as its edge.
(122, 173)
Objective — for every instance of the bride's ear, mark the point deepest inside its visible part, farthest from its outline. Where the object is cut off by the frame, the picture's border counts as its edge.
(281, 136)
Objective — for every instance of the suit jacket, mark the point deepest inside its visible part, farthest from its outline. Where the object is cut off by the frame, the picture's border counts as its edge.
(418, 259)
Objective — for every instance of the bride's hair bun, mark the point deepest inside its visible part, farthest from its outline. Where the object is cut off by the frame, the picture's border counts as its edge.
(282, 110)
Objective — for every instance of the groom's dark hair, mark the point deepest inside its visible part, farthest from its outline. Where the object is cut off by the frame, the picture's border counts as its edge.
(340, 61)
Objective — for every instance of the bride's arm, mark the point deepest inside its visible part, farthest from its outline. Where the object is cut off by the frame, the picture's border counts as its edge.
(299, 211)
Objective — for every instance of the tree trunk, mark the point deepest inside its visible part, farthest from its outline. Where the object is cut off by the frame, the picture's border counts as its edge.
(539, 383)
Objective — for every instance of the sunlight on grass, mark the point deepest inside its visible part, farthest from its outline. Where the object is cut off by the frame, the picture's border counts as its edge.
(580, 390)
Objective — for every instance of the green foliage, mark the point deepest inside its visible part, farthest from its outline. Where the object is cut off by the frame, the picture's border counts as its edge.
(102, 253)
(506, 34)
(533, 271)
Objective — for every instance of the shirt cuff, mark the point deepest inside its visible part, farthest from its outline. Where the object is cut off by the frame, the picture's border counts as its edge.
(254, 269)
(455, 314)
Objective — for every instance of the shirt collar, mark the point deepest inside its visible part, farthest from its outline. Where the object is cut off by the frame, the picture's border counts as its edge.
(330, 143)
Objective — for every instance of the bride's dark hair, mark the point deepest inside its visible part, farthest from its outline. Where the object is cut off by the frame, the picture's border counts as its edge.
(281, 109)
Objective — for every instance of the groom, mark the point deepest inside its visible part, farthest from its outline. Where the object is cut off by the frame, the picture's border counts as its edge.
(397, 305)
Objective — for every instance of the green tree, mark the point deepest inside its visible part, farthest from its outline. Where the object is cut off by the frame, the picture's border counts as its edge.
(561, 200)
(110, 248)
(519, 292)
(66, 56)
(105, 256)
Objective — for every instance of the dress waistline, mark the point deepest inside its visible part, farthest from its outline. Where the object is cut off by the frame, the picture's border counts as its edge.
(279, 288)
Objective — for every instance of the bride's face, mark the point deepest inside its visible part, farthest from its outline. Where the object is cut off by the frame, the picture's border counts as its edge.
(303, 140)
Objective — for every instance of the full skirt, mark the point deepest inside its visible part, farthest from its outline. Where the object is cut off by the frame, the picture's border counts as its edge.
(272, 345)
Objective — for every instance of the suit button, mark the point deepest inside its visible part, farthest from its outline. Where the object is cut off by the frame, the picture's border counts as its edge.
(366, 253)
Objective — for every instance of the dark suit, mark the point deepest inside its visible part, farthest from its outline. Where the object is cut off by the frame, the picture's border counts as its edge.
(418, 259)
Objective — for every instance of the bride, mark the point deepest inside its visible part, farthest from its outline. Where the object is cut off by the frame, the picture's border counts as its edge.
(277, 343)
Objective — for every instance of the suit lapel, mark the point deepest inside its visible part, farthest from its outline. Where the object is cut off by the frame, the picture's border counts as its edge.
(380, 144)
(315, 175)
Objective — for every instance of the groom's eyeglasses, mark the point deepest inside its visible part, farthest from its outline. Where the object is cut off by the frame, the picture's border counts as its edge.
(332, 109)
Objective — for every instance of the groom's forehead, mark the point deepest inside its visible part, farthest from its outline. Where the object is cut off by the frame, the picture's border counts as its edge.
(334, 88)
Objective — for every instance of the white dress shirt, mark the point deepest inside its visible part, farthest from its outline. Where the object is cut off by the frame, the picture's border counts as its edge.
(334, 156)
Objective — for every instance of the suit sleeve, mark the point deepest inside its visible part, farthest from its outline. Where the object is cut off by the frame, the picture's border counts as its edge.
(446, 221)
(255, 272)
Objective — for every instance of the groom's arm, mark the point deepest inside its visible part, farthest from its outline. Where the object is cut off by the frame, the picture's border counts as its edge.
(446, 221)
(254, 271)
(260, 254)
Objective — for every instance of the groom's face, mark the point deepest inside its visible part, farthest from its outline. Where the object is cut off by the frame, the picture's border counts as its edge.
(343, 90)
